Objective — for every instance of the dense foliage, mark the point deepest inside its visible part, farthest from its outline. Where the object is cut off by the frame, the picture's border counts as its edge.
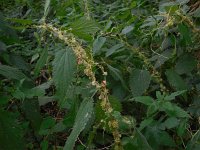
(99, 74)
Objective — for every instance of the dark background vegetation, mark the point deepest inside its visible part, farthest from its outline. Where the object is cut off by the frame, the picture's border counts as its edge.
(146, 53)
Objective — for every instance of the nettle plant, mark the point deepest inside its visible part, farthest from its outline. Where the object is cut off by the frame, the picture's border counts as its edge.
(99, 75)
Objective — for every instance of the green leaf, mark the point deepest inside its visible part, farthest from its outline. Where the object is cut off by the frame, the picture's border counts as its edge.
(108, 25)
(84, 114)
(145, 123)
(19, 62)
(4, 99)
(147, 100)
(25, 92)
(44, 145)
(127, 29)
(35, 57)
(31, 110)
(179, 112)
(196, 13)
(11, 73)
(98, 43)
(59, 127)
(174, 111)
(162, 58)
(173, 95)
(136, 143)
(9, 35)
(21, 21)
(41, 62)
(71, 116)
(152, 109)
(182, 128)
(117, 75)
(175, 80)
(84, 28)
(46, 8)
(46, 126)
(45, 99)
(171, 7)
(113, 49)
(185, 33)
(194, 143)
(139, 81)
(182, 1)
(2, 46)
(64, 67)
(194, 107)
(157, 138)
(11, 135)
(185, 64)
(171, 122)
(159, 96)
(38, 90)
(142, 140)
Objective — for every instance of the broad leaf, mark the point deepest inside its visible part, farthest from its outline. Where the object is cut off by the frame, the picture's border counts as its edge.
(127, 29)
(98, 43)
(174, 111)
(152, 109)
(175, 80)
(161, 58)
(84, 114)
(113, 49)
(173, 95)
(196, 13)
(9, 35)
(21, 21)
(64, 67)
(2, 46)
(84, 28)
(44, 145)
(143, 140)
(145, 123)
(11, 73)
(11, 135)
(157, 138)
(144, 100)
(194, 143)
(171, 123)
(185, 33)
(194, 107)
(137, 142)
(41, 62)
(117, 75)
(31, 110)
(47, 125)
(139, 81)
(19, 62)
(185, 64)
(37, 91)
(46, 8)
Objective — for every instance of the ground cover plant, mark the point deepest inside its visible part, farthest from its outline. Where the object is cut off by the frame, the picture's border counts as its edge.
(99, 74)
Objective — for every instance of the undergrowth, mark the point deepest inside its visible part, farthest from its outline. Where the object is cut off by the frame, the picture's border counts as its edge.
(96, 74)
